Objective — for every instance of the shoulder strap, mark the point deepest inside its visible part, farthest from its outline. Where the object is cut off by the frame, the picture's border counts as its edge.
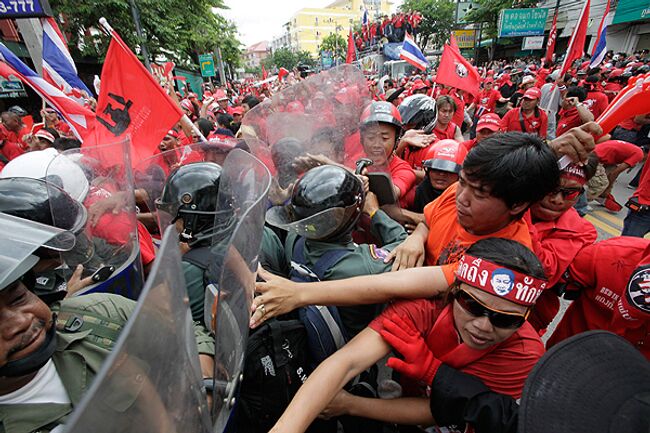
(105, 331)
(521, 121)
(322, 265)
(198, 256)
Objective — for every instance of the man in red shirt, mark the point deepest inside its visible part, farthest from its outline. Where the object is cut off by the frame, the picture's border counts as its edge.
(616, 156)
(488, 125)
(488, 98)
(573, 112)
(596, 101)
(9, 141)
(527, 117)
(458, 96)
(613, 280)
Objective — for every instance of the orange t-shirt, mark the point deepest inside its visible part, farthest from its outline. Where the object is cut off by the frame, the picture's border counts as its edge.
(448, 240)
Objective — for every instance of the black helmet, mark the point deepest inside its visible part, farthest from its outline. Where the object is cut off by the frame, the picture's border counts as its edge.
(37, 200)
(381, 112)
(190, 192)
(418, 110)
(325, 202)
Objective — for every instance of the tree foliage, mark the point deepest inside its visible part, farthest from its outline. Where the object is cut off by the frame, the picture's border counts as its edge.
(285, 58)
(437, 20)
(178, 30)
(335, 44)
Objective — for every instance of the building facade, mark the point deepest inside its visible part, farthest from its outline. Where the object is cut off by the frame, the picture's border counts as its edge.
(254, 54)
(308, 27)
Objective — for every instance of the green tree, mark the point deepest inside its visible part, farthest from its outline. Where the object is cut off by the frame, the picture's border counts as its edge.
(437, 20)
(180, 33)
(335, 44)
(488, 14)
(284, 58)
(305, 58)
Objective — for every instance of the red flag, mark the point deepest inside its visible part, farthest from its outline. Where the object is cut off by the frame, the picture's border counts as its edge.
(457, 72)
(352, 51)
(282, 73)
(578, 38)
(264, 73)
(131, 103)
(453, 44)
(550, 44)
(632, 100)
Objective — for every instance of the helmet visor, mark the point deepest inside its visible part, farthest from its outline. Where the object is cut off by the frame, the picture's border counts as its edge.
(318, 226)
(442, 165)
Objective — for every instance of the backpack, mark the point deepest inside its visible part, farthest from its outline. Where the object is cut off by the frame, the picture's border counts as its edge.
(325, 331)
(275, 367)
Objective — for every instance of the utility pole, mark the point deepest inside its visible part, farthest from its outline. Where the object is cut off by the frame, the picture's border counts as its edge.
(138, 31)
(222, 72)
(32, 32)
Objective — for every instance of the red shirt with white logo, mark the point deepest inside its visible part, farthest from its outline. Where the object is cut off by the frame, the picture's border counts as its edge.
(536, 123)
(597, 102)
(488, 99)
(614, 152)
(568, 119)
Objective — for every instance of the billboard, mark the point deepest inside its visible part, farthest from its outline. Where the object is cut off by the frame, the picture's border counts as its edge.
(522, 22)
(465, 38)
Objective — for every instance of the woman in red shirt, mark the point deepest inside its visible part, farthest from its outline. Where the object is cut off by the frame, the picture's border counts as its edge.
(480, 329)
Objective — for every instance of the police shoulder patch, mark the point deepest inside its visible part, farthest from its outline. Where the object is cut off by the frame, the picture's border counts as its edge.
(377, 253)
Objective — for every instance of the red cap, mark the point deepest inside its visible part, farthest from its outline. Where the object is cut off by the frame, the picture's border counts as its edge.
(174, 134)
(533, 93)
(44, 135)
(615, 73)
(220, 95)
(489, 80)
(445, 155)
(418, 84)
(237, 110)
(490, 121)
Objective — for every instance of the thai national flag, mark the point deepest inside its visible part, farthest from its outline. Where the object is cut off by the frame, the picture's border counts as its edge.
(80, 119)
(412, 53)
(600, 47)
(364, 18)
(58, 67)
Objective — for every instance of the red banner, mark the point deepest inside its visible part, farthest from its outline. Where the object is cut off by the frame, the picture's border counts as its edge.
(550, 44)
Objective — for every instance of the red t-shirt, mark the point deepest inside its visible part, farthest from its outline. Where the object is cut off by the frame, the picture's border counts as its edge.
(556, 243)
(414, 156)
(642, 193)
(568, 119)
(597, 102)
(630, 124)
(614, 152)
(488, 99)
(402, 175)
(448, 240)
(445, 134)
(147, 250)
(469, 144)
(603, 269)
(503, 367)
(459, 114)
(533, 124)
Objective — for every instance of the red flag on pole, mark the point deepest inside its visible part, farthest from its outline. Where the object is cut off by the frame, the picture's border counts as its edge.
(457, 72)
(264, 73)
(578, 38)
(550, 44)
(132, 103)
(453, 43)
(352, 49)
(282, 73)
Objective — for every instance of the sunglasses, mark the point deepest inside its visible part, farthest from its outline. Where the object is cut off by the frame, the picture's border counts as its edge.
(568, 193)
(499, 319)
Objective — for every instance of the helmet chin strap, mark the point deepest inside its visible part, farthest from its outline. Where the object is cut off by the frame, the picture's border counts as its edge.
(34, 361)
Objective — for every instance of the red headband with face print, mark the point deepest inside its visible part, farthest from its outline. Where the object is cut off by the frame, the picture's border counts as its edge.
(499, 281)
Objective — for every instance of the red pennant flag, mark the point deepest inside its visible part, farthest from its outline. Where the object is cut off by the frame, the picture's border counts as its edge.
(632, 100)
(352, 50)
(282, 73)
(453, 44)
(131, 103)
(550, 44)
(457, 72)
(578, 38)
(264, 73)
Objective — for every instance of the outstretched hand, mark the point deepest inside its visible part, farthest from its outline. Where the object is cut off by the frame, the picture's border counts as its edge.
(277, 296)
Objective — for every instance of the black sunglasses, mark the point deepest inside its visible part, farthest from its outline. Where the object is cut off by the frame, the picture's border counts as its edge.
(476, 308)
(569, 193)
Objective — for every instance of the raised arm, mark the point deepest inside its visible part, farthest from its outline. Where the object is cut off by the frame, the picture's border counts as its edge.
(279, 295)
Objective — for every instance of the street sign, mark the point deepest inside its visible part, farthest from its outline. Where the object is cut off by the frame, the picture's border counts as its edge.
(532, 43)
(465, 38)
(522, 22)
(463, 8)
(207, 65)
(12, 89)
(24, 9)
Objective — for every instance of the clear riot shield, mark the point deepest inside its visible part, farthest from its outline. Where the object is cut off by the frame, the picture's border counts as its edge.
(151, 382)
(151, 174)
(239, 226)
(311, 123)
(20, 238)
(107, 243)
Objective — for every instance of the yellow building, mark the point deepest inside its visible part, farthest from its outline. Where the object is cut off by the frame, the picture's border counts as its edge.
(308, 27)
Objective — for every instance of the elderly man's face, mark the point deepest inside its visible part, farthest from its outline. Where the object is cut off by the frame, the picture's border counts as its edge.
(24, 321)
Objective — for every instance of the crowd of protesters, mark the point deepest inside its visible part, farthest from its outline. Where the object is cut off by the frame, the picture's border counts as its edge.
(461, 270)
